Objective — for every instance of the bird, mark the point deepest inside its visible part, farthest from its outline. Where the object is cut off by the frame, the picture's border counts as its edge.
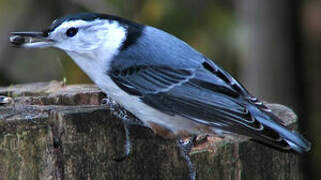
(172, 88)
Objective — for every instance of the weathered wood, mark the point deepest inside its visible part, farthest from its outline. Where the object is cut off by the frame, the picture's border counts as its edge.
(61, 132)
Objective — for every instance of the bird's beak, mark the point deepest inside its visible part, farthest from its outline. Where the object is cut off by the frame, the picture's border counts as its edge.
(30, 40)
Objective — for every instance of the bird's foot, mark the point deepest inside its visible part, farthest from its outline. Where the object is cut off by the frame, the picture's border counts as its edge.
(120, 112)
(185, 147)
(112, 105)
(116, 109)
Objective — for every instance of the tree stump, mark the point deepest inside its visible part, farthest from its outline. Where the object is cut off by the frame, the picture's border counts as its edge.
(62, 132)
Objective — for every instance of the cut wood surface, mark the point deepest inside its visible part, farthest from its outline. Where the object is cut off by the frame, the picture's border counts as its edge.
(61, 132)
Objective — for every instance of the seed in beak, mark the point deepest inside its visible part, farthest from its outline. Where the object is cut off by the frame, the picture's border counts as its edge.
(17, 40)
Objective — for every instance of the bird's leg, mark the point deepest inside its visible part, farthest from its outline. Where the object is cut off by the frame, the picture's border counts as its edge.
(121, 113)
(185, 147)
(128, 144)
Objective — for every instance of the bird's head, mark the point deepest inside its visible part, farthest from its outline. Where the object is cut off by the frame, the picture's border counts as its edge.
(84, 33)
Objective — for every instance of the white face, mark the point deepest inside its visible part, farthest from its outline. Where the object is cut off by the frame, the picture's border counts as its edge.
(80, 36)
(91, 44)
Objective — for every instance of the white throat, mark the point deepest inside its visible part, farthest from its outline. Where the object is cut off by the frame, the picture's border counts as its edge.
(95, 62)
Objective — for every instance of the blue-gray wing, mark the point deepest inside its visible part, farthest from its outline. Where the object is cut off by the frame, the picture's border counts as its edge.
(144, 80)
(206, 95)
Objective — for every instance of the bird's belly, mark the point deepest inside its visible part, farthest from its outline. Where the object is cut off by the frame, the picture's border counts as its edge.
(159, 122)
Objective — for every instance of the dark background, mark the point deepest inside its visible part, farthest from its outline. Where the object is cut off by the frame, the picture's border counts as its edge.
(273, 47)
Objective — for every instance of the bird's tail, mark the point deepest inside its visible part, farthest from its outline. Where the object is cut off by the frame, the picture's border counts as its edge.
(287, 139)
(299, 143)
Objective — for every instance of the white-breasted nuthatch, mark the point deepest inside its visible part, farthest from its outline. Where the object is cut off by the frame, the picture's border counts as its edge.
(159, 78)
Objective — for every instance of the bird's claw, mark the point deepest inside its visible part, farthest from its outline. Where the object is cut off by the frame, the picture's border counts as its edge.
(187, 145)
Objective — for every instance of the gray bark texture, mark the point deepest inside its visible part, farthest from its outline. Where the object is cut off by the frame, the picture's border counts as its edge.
(62, 132)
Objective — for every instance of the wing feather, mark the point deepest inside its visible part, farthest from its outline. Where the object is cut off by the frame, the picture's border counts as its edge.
(150, 79)
(202, 95)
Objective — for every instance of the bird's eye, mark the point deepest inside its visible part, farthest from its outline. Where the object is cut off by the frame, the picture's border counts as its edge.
(71, 32)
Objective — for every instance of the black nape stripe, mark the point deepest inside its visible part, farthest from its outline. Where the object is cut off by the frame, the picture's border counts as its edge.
(134, 31)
